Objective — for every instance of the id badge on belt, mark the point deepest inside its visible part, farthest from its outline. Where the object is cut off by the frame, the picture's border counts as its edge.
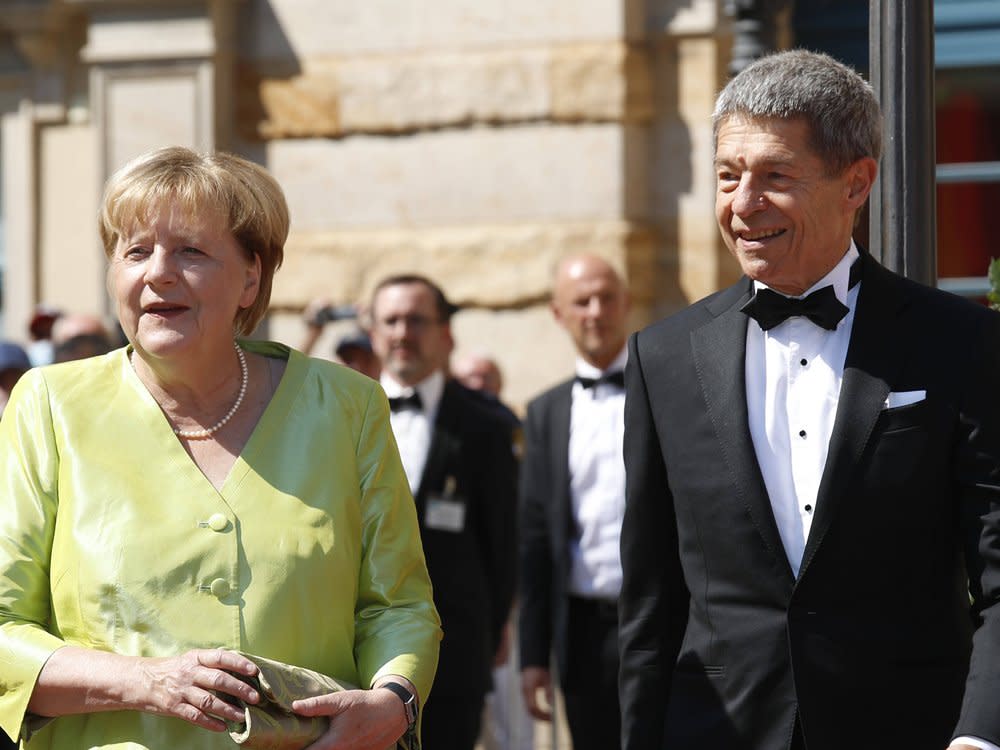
(445, 511)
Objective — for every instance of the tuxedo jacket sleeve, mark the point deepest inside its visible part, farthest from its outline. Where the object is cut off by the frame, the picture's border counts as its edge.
(722, 646)
(545, 527)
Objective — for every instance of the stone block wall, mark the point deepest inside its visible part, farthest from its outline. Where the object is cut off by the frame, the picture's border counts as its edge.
(475, 142)
(478, 145)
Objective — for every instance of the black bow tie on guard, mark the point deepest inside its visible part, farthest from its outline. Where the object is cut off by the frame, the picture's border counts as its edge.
(822, 307)
(399, 403)
(611, 378)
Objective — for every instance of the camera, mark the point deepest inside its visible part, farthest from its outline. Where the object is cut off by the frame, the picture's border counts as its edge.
(331, 313)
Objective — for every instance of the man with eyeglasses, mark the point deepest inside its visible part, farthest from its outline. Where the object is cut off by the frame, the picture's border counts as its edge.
(459, 460)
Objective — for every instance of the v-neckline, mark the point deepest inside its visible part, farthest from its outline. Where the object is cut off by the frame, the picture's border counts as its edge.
(279, 405)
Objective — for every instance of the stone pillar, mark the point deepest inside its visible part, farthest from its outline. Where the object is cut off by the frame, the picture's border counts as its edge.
(156, 72)
(86, 85)
(36, 42)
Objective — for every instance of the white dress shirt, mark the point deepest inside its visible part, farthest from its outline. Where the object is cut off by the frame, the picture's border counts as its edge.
(413, 428)
(793, 377)
(597, 483)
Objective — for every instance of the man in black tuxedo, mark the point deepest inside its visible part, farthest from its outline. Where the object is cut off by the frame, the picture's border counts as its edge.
(458, 456)
(572, 501)
(811, 543)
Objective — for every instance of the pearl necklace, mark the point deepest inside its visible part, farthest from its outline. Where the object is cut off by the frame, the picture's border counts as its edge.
(208, 432)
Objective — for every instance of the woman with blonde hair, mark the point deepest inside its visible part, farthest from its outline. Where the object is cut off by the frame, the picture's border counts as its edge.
(193, 497)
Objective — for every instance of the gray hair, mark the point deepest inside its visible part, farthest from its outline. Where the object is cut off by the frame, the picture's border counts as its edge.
(838, 105)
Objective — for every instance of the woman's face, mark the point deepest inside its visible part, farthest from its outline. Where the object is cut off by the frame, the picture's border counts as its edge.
(178, 282)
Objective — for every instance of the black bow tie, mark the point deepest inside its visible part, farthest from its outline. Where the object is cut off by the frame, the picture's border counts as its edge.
(822, 307)
(770, 309)
(399, 403)
(611, 378)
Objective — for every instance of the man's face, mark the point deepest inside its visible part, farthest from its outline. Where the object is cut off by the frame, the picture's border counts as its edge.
(781, 212)
(408, 333)
(590, 302)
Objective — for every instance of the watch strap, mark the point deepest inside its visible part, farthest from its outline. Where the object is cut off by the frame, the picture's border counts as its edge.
(408, 698)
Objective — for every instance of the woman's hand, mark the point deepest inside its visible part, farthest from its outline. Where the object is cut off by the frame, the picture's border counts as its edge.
(77, 680)
(185, 686)
(359, 719)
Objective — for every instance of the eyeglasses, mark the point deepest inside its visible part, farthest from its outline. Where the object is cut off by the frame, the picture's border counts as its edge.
(415, 323)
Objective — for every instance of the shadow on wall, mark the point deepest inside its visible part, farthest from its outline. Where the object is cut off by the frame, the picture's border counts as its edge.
(658, 163)
(267, 68)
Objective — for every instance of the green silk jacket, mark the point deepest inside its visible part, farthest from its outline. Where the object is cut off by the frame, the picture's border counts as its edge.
(112, 539)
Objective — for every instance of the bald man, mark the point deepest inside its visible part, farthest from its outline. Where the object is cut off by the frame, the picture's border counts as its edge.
(572, 502)
(479, 372)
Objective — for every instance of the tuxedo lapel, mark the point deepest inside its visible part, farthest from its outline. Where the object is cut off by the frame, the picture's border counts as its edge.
(871, 366)
(719, 349)
(559, 451)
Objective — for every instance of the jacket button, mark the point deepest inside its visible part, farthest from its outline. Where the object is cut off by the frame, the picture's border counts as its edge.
(218, 522)
(220, 587)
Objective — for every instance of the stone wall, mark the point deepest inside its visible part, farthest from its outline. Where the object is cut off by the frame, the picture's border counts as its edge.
(481, 144)
(475, 142)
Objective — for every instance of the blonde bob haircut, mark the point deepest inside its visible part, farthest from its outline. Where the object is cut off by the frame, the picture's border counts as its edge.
(204, 186)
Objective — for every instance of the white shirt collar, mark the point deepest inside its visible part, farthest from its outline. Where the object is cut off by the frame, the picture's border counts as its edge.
(430, 389)
(586, 370)
(839, 276)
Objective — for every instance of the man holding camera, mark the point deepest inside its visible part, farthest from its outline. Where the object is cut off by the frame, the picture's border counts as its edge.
(353, 349)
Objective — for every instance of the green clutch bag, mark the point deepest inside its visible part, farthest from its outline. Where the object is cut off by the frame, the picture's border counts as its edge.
(271, 724)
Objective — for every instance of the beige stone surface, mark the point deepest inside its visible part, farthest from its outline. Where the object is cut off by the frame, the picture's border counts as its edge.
(18, 175)
(453, 177)
(705, 264)
(71, 259)
(335, 97)
(313, 28)
(397, 94)
(149, 111)
(155, 35)
(492, 266)
(289, 108)
(600, 82)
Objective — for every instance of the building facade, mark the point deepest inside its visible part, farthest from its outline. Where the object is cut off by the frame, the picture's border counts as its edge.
(476, 142)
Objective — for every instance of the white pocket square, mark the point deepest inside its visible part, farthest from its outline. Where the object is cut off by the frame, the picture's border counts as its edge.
(904, 398)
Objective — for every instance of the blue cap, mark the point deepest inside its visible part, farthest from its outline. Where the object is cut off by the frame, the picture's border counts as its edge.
(12, 357)
(355, 339)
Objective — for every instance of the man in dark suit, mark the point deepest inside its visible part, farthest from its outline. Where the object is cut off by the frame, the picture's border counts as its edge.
(811, 543)
(459, 460)
(572, 500)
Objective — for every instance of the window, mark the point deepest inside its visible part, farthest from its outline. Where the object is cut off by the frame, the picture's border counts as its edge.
(967, 60)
